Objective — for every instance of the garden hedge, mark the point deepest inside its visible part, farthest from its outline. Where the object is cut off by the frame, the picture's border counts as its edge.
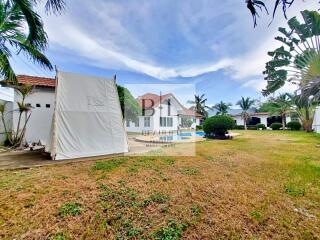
(218, 125)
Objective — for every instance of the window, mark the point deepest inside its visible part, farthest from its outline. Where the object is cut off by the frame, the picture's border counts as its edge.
(127, 123)
(163, 122)
(28, 104)
(38, 105)
(147, 121)
(166, 122)
(136, 122)
(47, 105)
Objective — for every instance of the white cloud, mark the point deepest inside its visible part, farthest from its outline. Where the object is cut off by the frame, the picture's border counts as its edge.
(101, 35)
(105, 55)
(257, 84)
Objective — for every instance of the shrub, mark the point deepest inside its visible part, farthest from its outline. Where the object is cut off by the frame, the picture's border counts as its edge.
(251, 127)
(199, 127)
(261, 125)
(239, 127)
(295, 126)
(218, 125)
(276, 126)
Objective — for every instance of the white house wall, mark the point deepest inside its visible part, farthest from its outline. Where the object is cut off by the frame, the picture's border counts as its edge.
(38, 127)
(8, 115)
(155, 119)
(316, 121)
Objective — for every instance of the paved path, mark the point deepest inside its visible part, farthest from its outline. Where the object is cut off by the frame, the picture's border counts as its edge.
(29, 159)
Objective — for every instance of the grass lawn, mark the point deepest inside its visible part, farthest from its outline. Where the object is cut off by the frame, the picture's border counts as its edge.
(261, 185)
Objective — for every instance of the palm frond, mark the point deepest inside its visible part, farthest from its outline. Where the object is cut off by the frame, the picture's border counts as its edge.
(6, 69)
(37, 36)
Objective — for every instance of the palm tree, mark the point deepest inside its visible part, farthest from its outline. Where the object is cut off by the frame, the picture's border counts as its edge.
(13, 17)
(16, 136)
(282, 105)
(305, 108)
(222, 108)
(297, 61)
(199, 105)
(245, 104)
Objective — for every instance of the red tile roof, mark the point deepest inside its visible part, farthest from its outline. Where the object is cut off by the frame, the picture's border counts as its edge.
(153, 100)
(37, 81)
(253, 114)
(189, 112)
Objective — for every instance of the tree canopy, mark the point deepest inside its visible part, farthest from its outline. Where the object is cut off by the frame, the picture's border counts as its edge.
(129, 105)
(297, 61)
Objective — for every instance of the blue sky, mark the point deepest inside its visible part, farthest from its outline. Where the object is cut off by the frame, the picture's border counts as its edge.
(209, 43)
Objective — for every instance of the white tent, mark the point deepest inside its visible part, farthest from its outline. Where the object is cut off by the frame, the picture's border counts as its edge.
(316, 120)
(87, 118)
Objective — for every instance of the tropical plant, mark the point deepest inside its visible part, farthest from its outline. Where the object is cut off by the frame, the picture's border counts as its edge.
(245, 104)
(16, 136)
(305, 109)
(294, 126)
(266, 106)
(222, 108)
(218, 125)
(199, 105)
(276, 126)
(297, 61)
(129, 105)
(3, 112)
(261, 126)
(15, 37)
(282, 105)
(254, 5)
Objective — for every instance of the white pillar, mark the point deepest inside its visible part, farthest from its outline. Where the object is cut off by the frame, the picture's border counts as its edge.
(263, 120)
(288, 118)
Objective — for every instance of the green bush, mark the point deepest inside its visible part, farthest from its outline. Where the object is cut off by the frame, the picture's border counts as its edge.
(218, 125)
(261, 125)
(199, 127)
(239, 127)
(276, 126)
(295, 126)
(251, 127)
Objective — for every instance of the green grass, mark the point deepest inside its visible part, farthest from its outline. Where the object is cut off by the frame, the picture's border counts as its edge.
(109, 165)
(72, 209)
(260, 185)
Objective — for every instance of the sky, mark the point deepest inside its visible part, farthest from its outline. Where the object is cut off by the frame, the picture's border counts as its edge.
(210, 44)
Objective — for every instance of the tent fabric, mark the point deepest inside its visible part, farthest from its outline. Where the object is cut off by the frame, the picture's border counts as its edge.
(87, 119)
(316, 120)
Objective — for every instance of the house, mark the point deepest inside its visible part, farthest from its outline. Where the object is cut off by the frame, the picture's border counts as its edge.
(259, 117)
(162, 113)
(8, 115)
(316, 120)
(41, 101)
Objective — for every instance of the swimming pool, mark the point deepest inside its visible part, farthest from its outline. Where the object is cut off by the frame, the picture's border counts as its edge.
(181, 136)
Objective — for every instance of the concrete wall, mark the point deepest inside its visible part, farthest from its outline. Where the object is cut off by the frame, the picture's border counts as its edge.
(8, 116)
(316, 121)
(263, 119)
(38, 127)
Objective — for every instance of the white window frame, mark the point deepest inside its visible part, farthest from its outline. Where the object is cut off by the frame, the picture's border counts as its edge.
(146, 121)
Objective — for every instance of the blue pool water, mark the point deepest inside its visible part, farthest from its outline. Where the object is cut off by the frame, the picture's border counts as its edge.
(181, 136)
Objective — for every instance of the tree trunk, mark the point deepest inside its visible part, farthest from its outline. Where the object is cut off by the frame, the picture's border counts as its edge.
(308, 121)
(245, 124)
(283, 121)
(5, 128)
